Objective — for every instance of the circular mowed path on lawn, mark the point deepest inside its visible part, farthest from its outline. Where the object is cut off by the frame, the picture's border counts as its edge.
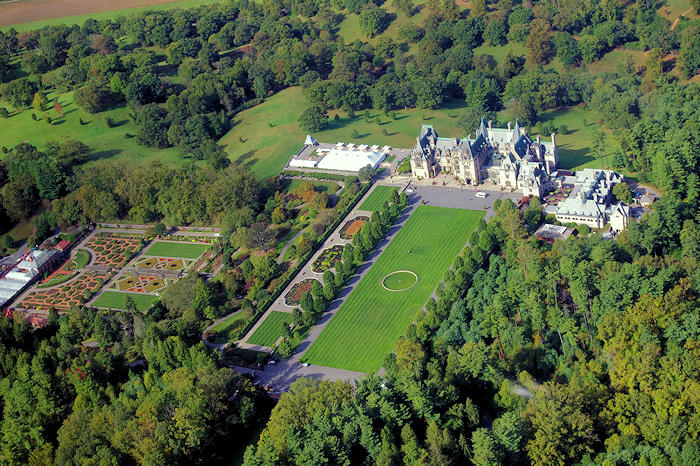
(400, 280)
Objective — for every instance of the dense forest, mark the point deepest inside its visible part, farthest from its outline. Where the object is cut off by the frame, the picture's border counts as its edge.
(585, 351)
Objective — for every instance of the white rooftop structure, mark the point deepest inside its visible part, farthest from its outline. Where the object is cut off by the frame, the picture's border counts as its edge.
(310, 140)
(23, 273)
(350, 159)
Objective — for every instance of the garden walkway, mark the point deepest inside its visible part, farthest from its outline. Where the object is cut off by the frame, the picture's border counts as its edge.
(306, 271)
(281, 375)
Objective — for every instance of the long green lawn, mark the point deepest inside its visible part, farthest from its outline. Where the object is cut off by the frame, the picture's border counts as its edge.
(369, 322)
(172, 249)
(376, 198)
(270, 329)
(116, 300)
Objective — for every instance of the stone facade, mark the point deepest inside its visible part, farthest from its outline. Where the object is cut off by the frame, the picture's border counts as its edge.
(590, 200)
(504, 156)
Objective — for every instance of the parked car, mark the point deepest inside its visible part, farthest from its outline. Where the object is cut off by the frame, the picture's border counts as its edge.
(481, 195)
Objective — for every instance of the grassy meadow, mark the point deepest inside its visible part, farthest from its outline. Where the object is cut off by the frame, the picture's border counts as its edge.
(271, 134)
(371, 319)
(270, 329)
(104, 142)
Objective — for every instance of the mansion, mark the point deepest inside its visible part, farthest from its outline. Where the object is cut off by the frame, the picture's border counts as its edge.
(504, 156)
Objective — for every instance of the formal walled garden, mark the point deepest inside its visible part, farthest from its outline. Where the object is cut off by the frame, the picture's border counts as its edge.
(293, 297)
(353, 226)
(75, 293)
(112, 251)
(327, 259)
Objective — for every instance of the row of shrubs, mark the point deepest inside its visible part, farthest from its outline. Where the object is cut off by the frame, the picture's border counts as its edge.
(262, 304)
(320, 176)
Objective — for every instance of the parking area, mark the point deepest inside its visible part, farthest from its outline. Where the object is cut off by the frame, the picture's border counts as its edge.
(459, 198)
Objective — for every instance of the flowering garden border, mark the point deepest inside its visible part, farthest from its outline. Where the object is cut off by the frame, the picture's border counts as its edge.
(293, 297)
(344, 231)
(327, 259)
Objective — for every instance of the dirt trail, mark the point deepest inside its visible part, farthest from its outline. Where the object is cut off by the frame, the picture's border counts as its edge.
(679, 18)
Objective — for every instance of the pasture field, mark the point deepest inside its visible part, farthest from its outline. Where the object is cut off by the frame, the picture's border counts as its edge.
(369, 322)
(172, 249)
(116, 300)
(376, 198)
(270, 329)
(270, 132)
(25, 15)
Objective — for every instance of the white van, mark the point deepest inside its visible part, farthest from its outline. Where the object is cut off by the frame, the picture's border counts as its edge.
(481, 194)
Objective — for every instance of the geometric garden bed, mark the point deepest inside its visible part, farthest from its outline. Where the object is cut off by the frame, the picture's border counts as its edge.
(293, 297)
(327, 259)
(352, 227)
(73, 293)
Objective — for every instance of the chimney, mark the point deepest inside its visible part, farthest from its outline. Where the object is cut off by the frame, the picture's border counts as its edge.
(539, 142)
(509, 128)
(489, 125)
(554, 140)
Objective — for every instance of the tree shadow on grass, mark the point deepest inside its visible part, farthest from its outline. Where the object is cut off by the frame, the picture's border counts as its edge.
(104, 154)
(244, 159)
(571, 158)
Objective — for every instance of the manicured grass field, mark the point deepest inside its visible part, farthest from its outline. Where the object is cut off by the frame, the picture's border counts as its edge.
(398, 281)
(103, 141)
(266, 149)
(171, 249)
(376, 198)
(270, 329)
(115, 300)
(369, 322)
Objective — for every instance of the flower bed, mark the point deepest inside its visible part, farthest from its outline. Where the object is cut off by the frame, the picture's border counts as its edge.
(327, 259)
(293, 297)
(353, 226)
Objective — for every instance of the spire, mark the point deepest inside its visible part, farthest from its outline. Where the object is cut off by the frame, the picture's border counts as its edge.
(482, 128)
(516, 130)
